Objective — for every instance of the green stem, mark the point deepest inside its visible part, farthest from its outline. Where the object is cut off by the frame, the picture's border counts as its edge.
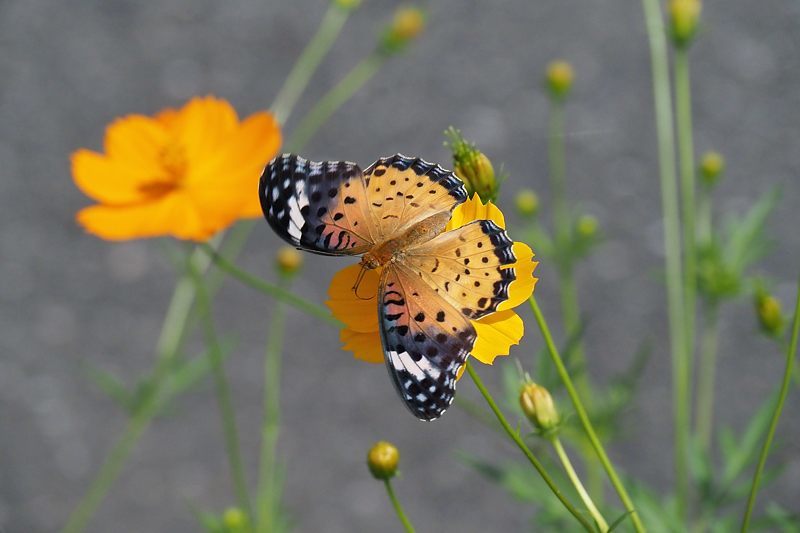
(397, 507)
(268, 493)
(576, 482)
(584, 417)
(672, 247)
(787, 376)
(271, 289)
(333, 100)
(706, 378)
(223, 393)
(514, 435)
(168, 345)
(308, 62)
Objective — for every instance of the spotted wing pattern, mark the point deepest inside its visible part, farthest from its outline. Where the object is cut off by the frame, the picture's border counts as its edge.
(467, 267)
(320, 207)
(403, 191)
(425, 339)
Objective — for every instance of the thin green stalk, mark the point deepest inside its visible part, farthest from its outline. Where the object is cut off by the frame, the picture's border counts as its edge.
(275, 291)
(309, 60)
(563, 230)
(397, 507)
(568, 291)
(333, 100)
(223, 393)
(672, 247)
(268, 490)
(584, 417)
(514, 435)
(576, 482)
(683, 122)
(787, 376)
(168, 345)
(704, 420)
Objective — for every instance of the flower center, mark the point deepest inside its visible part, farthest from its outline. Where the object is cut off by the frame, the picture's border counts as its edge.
(173, 162)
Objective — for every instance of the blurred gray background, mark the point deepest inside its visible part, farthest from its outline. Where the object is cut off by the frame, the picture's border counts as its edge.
(69, 300)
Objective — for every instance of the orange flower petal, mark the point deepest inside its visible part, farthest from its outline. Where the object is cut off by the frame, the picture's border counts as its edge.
(203, 124)
(496, 334)
(105, 180)
(235, 165)
(170, 215)
(136, 141)
(365, 346)
(358, 314)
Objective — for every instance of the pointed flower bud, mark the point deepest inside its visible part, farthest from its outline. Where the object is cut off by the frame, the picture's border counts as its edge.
(538, 406)
(711, 167)
(768, 310)
(288, 260)
(527, 202)
(407, 24)
(382, 460)
(684, 16)
(559, 79)
(472, 166)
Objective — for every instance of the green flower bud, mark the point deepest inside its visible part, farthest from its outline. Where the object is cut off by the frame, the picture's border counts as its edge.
(559, 79)
(527, 202)
(382, 460)
(768, 310)
(683, 18)
(407, 24)
(288, 260)
(472, 166)
(234, 520)
(538, 407)
(712, 165)
(347, 5)
(587, 226)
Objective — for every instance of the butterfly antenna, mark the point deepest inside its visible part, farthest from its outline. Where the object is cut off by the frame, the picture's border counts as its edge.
(357, 284)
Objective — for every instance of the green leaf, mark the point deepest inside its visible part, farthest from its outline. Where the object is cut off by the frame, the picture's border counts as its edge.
(748, 444)
(111, 385)
(745, 234)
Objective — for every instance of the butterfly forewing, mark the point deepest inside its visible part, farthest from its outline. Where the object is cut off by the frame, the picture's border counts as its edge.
(317, 206)
(402, 191)
(425, 340)
(467, 266)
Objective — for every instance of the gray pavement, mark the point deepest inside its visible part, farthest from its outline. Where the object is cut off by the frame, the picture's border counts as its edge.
(68, 300)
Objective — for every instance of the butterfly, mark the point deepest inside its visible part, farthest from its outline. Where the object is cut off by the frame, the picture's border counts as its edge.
(432, 282)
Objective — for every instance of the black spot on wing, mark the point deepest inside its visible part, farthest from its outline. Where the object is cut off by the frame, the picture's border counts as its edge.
(420, 167)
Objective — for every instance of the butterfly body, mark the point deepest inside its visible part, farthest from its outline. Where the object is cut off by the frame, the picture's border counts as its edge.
(433, 282)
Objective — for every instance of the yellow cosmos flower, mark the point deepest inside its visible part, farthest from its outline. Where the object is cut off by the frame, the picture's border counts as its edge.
(496, 332)
(188, 172)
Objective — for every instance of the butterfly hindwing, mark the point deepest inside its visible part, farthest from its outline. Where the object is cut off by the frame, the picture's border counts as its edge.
(425, 340)
(318, 206)
(468, 266)
(402, 191)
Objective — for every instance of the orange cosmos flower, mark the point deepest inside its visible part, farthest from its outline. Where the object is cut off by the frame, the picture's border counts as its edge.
(188, 172)
(496, 332)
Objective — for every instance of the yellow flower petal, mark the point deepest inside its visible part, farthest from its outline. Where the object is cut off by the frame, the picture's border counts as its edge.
(496, 334)
(522, 287)
(365, 346)
(474, 209)
(358, 314)
(136, 140)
